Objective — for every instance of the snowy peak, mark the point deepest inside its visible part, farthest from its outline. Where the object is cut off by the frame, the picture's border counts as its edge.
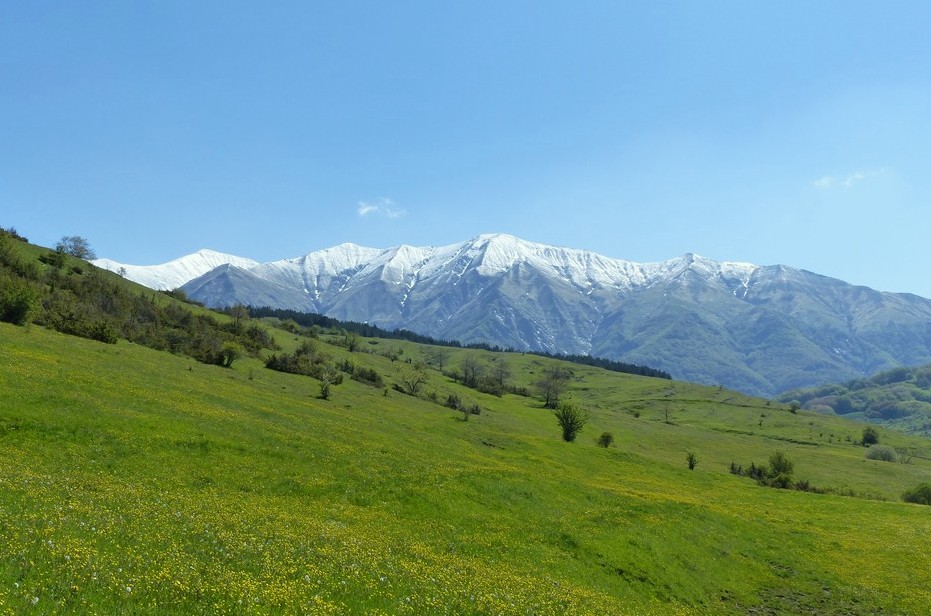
(175, 273)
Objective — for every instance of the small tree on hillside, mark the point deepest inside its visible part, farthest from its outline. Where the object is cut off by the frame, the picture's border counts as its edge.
(76, 246)
(571, 419)
(230, 352)
(605, 439)
(500, 373)
(239, 313)
(780, 470)
(329, 376)
(351, 341)
(413, 378)
(691, 459)
(553, 384)
(437, 357)
(471, 370)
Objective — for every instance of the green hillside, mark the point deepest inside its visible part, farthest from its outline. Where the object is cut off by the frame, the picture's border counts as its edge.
(137, 481)
(899, 398)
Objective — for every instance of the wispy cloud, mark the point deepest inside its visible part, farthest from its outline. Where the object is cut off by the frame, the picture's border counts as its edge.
(848, 181)
(383, 206)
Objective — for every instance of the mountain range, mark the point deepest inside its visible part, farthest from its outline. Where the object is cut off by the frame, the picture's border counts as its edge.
(757, 329)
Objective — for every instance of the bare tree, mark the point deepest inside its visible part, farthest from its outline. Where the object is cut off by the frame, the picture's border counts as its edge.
(239, 313)
(471, 370)
(437, 357)
(553, 384)
(76, 246)
(500, 373)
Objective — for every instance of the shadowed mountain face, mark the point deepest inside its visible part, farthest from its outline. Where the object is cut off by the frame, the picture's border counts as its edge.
(761, 330)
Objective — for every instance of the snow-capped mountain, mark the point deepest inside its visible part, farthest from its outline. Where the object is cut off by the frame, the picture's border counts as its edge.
(760, 329)
(175, 273)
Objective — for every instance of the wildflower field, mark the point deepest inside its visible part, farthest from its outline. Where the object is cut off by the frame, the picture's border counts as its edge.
(139, 482)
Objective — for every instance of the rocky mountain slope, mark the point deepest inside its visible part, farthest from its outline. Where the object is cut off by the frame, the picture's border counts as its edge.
(759, 329)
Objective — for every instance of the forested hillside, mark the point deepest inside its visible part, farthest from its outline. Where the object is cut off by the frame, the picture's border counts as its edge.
(899, 398)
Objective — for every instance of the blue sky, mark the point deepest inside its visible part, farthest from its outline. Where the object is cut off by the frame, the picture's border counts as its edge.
(769, 132)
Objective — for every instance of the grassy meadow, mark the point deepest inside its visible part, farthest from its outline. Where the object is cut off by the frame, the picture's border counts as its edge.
(139, 482)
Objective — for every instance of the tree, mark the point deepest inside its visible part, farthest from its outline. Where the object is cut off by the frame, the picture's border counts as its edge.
(413, 377)
(471, 371)
(437, 357)
(239, 313)
(691, 459)
(500, 373)
(780, 470)
(605, 439)
(553, 384)
(76, 246)
(870, 436)
(571, 419)
(230, 352)
(351, 341)
(329, 376)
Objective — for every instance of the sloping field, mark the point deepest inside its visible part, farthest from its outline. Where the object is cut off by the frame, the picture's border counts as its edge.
(138, 482)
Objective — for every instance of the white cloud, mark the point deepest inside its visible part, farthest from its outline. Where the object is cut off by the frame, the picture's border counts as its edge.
(848, 181)
(382, 206)
(824, 182)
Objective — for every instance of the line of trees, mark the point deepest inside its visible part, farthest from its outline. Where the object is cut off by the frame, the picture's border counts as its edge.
(309, 319)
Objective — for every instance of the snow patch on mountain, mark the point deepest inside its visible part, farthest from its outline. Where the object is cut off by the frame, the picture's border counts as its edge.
(175, 273)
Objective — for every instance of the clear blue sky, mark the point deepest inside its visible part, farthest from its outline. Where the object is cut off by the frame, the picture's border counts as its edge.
(769, 132)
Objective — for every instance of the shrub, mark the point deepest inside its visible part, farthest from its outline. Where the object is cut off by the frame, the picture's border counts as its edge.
(18, 301)
(870, 436)
(571, 419)
(229, 352)
(884, 453)
(605, 439)
(691, 459)
(920, 494)
(454, 402)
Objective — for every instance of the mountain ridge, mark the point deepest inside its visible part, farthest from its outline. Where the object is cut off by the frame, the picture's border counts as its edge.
(759, 329)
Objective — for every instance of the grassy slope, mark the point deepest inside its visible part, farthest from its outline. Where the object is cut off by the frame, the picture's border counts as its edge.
(138, 482)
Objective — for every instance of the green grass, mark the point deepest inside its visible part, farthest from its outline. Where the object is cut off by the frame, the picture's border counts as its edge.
(133, 481)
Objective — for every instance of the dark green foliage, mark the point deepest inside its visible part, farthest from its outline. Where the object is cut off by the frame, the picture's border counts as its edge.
(454, 402)
(369, 376)
(54, 259)
(920, 494)
(691, 459)
(777, 475)
(12, 233)
(308, 361)
(571, 419)
(870, 436)
(19, 300)
(605, 439)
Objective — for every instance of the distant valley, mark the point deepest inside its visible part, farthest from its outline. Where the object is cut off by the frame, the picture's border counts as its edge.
(758, 329)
